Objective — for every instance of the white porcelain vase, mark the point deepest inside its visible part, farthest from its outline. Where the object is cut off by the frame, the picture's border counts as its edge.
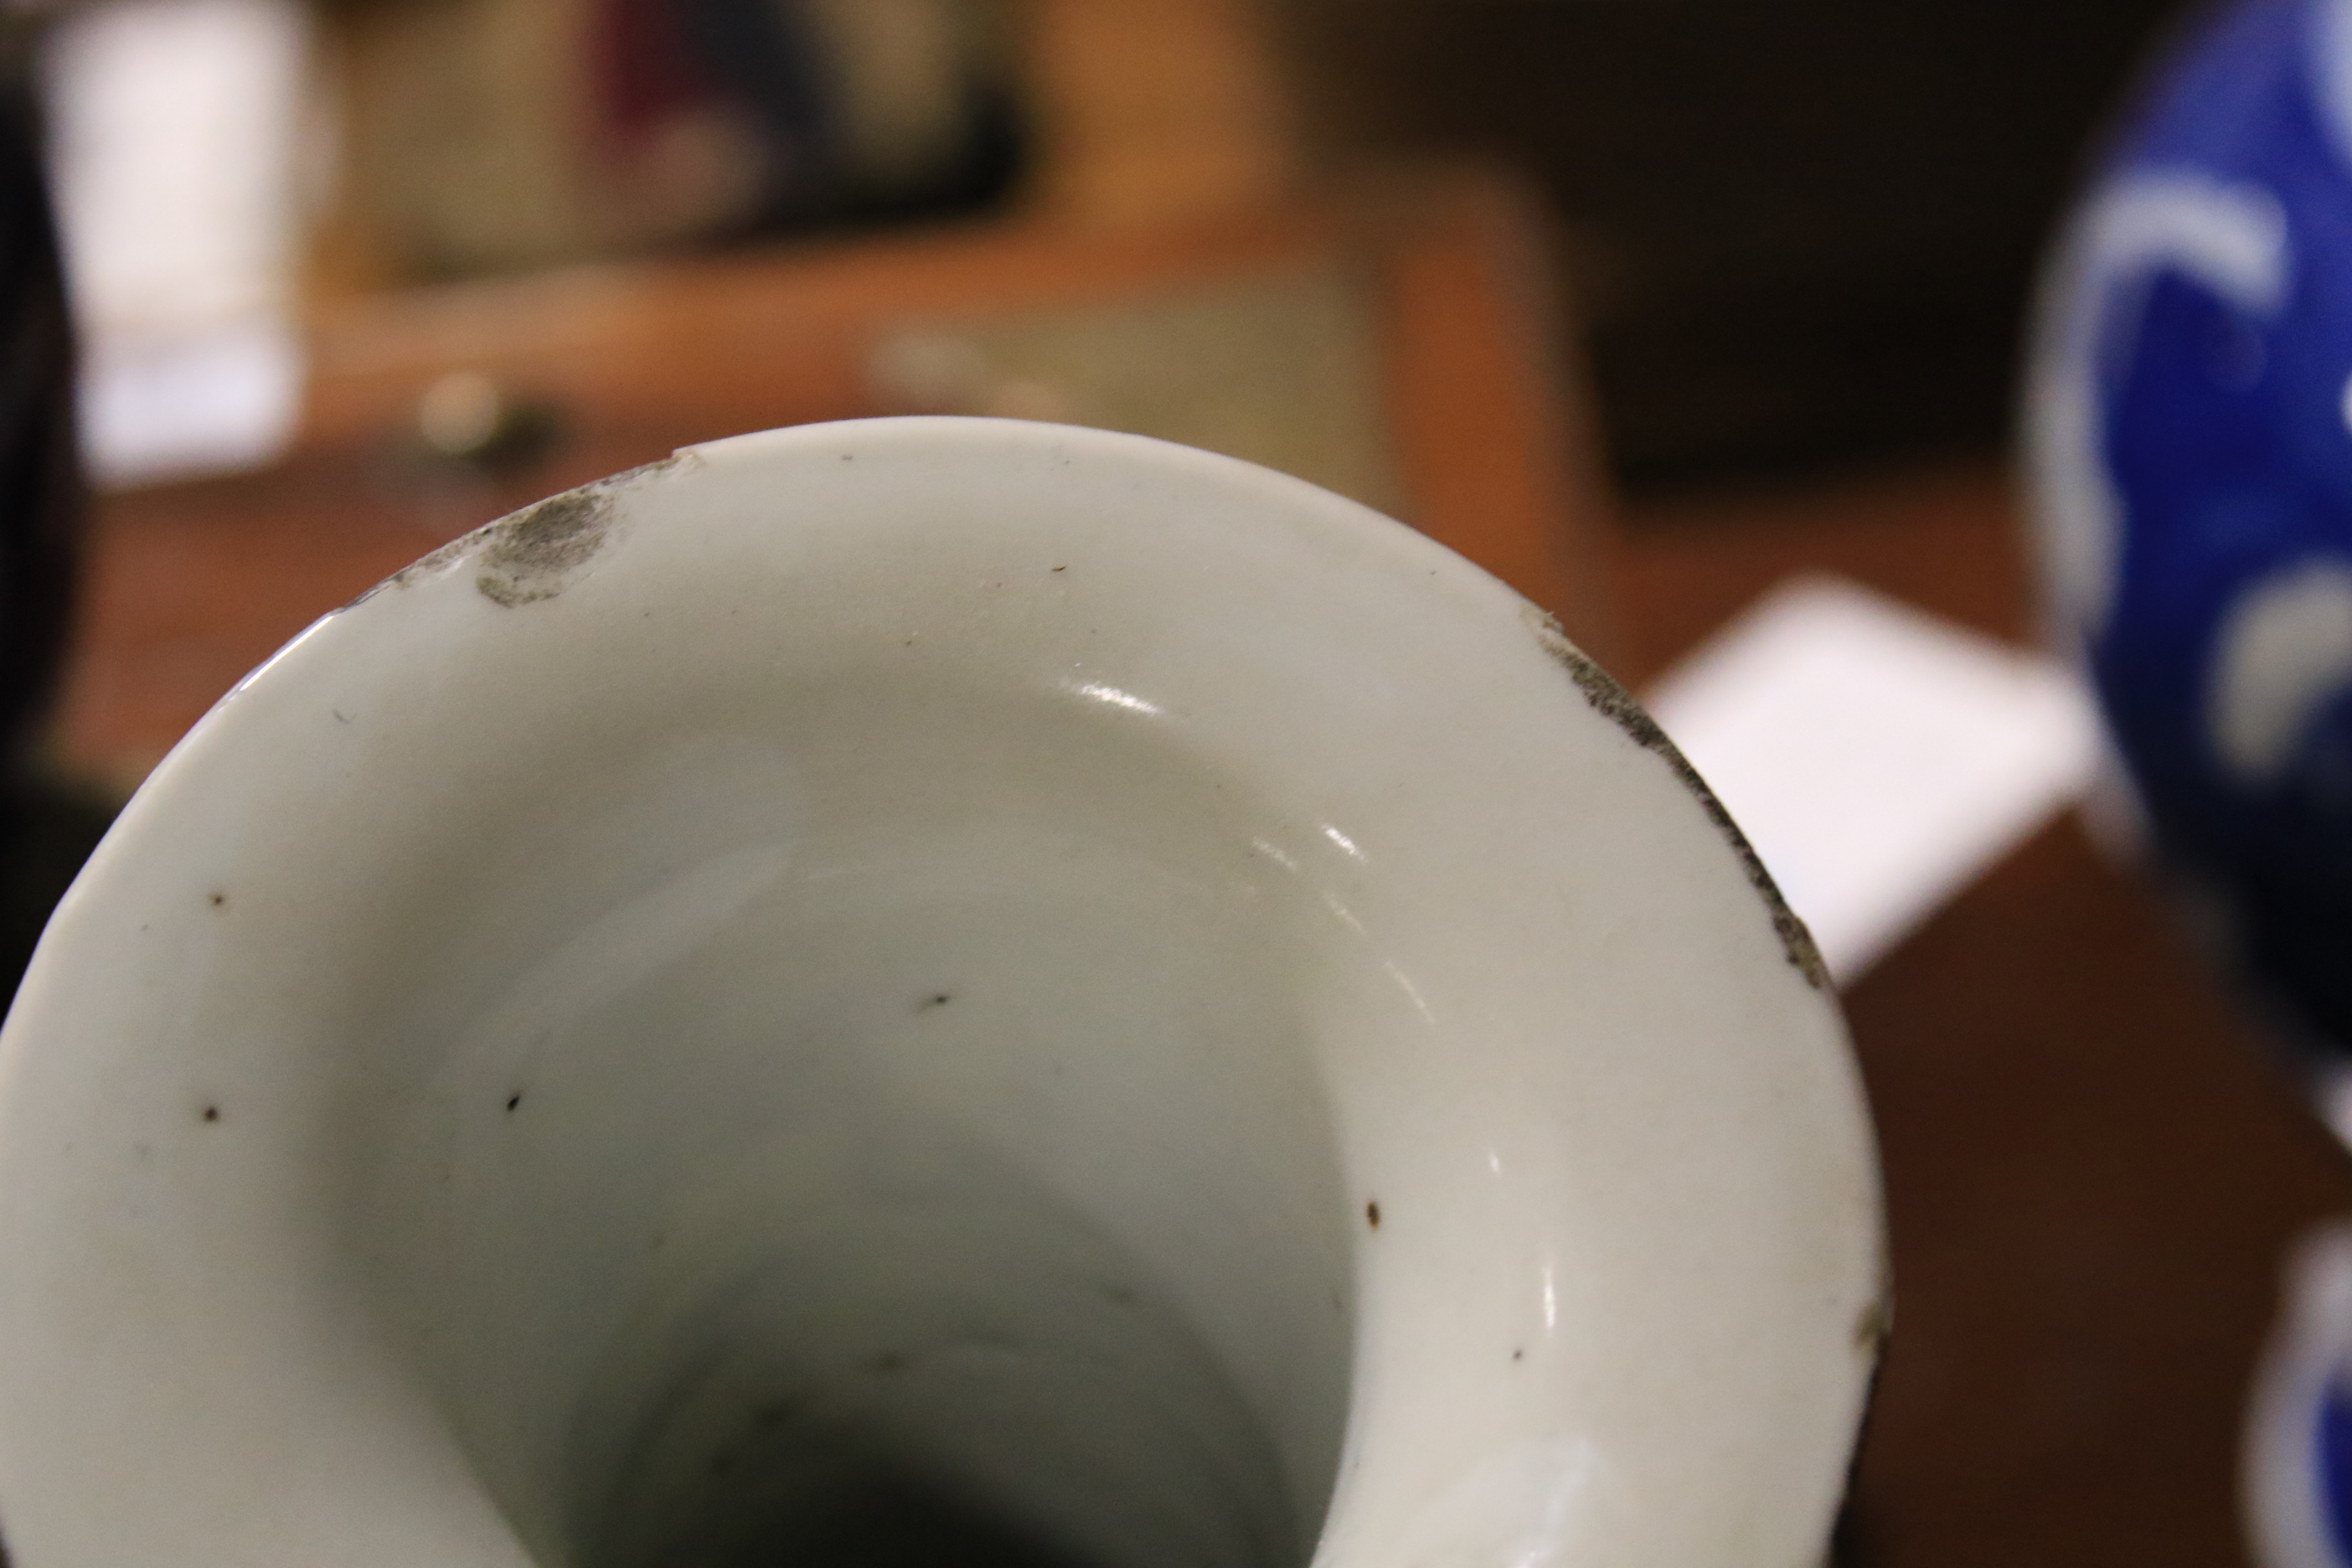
(932, 991)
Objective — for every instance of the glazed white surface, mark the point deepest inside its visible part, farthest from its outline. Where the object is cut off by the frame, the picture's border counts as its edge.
(970, 917)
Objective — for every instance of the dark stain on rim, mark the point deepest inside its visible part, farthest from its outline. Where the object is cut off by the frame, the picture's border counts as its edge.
(1874, 1324)
(1617, 705)
(532, 555)
(535, 553)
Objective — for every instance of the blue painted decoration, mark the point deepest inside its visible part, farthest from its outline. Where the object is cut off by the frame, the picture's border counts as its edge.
(2189, 429)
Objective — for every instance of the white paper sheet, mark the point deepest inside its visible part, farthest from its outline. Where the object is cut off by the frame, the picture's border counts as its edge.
(1878, 758)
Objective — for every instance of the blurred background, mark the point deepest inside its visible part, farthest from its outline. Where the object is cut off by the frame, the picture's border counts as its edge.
(1698, 322)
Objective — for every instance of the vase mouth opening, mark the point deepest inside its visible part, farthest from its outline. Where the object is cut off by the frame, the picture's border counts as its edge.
(912, 1145)
(993, 1378)
(927, 988)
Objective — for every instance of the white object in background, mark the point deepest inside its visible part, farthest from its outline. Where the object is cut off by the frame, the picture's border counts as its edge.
(1877, 758)
(176, 132)
(2295, 1509)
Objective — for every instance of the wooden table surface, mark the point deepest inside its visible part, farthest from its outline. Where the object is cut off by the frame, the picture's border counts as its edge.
(1441, 273)
(2093, 1173)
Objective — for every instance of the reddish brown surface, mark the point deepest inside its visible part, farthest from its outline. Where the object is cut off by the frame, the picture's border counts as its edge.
(1943, 538)
(1493, 445)
(2091, 1171)
(191, 585)
(2091, 1175)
